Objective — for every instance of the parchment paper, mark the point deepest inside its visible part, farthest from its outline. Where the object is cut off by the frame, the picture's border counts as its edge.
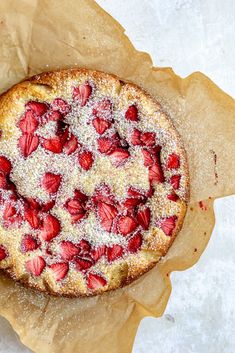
(44, 35)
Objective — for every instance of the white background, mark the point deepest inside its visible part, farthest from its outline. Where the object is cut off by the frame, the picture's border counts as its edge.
(188, 35)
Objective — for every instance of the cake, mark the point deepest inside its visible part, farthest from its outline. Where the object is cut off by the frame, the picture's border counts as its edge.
(93, 182)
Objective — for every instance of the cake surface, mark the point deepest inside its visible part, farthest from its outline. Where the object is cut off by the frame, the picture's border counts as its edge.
(93, 182)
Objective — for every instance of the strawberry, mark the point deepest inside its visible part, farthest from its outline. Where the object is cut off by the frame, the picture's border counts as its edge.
(32, 203)
(62, 131)
(68, 250)
(126, 225)
(156, 173)
(28, 243)
(114, 252)
(102, 109)
(35, 266)
(148, 159)
(51, 182)
(82, 93)
(84, 246)
(31, 216)
(9, 211)
(71, 145)
(134, 193)
(54, 115)
(5, 165)
(168, 224)
(101, 125)
(143, 217)
(105, 145)
(132, 202)
(78, 216)
(3, 181)
(28, 123)
(97, 253)
(61, 105)
(48, 206)
(119, 157)
(82, 264)
(173, 161)
(50, 227)
(173, 196)
(148, 138)
(135, 138)
(3, 253)
(135, 243)
(54, 144)
(106, 213)
(28, 143)
(175, 181)
(37, 107)
(95, 281)
(103, 194)
(74, 207)
(85, 160)
(59, 270)
(132, 113)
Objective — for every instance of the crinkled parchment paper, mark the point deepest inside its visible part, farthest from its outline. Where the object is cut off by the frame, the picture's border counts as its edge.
(44, 35)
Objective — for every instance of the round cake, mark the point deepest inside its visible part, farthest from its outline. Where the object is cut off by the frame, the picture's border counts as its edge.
(93, 182)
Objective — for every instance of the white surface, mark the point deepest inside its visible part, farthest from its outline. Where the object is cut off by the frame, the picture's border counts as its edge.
(188, 35)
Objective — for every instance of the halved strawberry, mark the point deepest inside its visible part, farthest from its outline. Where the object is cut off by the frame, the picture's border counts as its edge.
(48, 206)
(28, 143)
(97, 253)
(126, 225)
(101, 125)
(105, 145)
(106, 213)
(95, 281)
(74, 207)
(54, 144)
(82, 93)
(132, 202)
(60, 270)
(28, 123)
(80, 196)
(135, 138)
(175, 181)
(3, 181)
(68, 250)
(35, 266)
(31, 216)
(50, 227)
(134, 193)
(173, 196)
(85, 160)
(103, 194)
(71, 145)
(148, 138)
(114, 252)
(34, 204)
(54, 115)
(5, 165)
(143, 217)
(84, 246)
(173, 161)
(51, 182)
(78, 216)
(156, 173)
(61, 105)
(37, 107)
(9, 211)
(119, 157)
(28, 243)
(132, 113)
(168, 224)
(3, 252)
(82, 264)
(135, 243)
(148, 158)
(102, 109)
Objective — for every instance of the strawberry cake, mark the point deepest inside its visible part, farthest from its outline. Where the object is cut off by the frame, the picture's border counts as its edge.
(93, 182)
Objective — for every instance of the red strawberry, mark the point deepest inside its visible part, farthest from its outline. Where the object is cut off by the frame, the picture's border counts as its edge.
(28, 143)
(74, 207)
(31, 216)
(168, 224)
(132, 202)
(82, 264)
(3, 181)
(78, 216)
(175, 181)
(3, 253)
(60, 270)
(51, 182)
(37, 107)
(54, 115)
(126, 225)
(119, 157)
(114, 252)
(28, 243)
(68, 250)
(35, 266)
(62, 131)
(148, 138)
(102, 109)
(9, 211)
(173, 161)
(134, 193)
(103, 194)
(105, 145)
(101, 125)
(61, 105)
(84, 246)
(28, 123)
(148, 159)
(135, 243)
(5, 165)
(80, 196)
(135, 138)
(71, 145)
(95, 281)
(48, 206)
(50, 227)
(106, 213)
(143, 218)
(173, 196)
(34, 204)
(132, 113)
(85, 160)
(156, 173)
(82, 93)
(54, 144)
(97, 253)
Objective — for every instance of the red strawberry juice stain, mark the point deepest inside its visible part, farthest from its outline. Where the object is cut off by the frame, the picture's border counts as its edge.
(214, 155)
(202, 205)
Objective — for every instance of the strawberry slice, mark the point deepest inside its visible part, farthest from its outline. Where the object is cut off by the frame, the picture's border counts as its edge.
(173, 197)
(28, 143)
(5, 165)
(82, 93)
(101, 125)
(54, 115)
(68, 250)
(105, 145)
(35, 266)
(119, 157)
(31, 216)
(103, 194)
(156, 173)
(71, 145)
(80, 196)
(48, 206)
(77, 217)
(50, 228)
(114, 252)
(85, 160)
(148, 158)
(32, 203)
(74, 207)
(95, 281)
(54, 144)
(3, 253)
(173, 161)
(82, 264)
(126, 225)
(97, 253)
(28, 123)
(28, 243)
(135, 138)
(132, 202)
(37, 107)
(148, 138)
(9, 211)
(135, 243)
(102, 109)
(132, 113)
(84, 246)
(51, 182)
(134, 193)
(168, 225)
(106, 213)
(61, 105)
(143, 217)
(175, 181)
(3, 181)
(60, 270)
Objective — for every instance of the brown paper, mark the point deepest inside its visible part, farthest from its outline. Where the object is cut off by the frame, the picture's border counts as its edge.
(43, 35)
